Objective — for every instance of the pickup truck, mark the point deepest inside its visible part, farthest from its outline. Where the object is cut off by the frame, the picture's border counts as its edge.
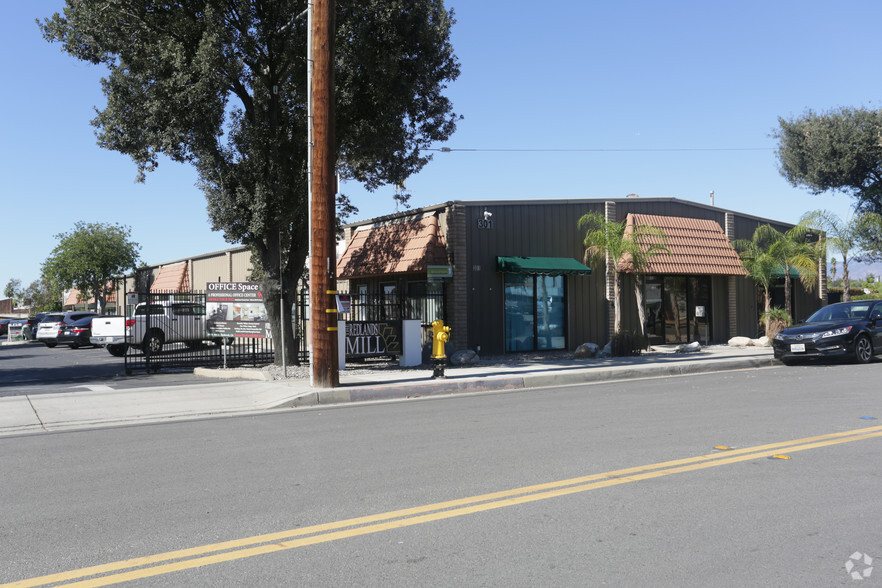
(151, 327)
(110, 332)
(168, 321)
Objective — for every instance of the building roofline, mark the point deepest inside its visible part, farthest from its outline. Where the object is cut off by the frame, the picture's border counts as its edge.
(534, 201)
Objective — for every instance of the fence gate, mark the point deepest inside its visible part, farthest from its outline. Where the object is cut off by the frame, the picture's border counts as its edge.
(169, 330)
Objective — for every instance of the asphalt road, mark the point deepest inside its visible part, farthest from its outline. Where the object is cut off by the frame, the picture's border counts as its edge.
(33, 368)
(695, 516)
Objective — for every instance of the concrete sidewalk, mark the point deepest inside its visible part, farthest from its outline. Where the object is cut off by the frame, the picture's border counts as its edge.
(220, 395)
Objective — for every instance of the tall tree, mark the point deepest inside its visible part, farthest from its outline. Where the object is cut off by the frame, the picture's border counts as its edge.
(43, 295)
(627, 249)
(761, 267)
(90, 257)
(844, 237)
(13, 290)
(838, 150)
(791, 252)
(221, 84)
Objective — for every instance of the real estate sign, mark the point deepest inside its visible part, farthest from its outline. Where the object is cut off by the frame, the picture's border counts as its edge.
(235, 309)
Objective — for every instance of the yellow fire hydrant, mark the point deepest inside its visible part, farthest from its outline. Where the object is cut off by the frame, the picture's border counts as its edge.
(440, 336)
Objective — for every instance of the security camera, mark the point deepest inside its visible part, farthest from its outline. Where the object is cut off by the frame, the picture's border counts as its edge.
(487, 215)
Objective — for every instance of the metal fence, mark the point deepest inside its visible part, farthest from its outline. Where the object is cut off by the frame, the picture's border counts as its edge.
(169, 330)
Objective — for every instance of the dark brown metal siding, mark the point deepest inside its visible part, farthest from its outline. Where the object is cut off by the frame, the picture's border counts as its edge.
(531, 230)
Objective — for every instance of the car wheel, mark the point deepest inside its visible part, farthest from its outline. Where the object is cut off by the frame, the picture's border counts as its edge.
(152, 343)
(863, 349)
(51, 344)
(74, 345)
(116, 350)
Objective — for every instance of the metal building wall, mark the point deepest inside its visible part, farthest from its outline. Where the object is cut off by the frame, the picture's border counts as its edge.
(531, 229)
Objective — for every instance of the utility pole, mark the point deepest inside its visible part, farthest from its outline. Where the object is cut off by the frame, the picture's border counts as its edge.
(323, 262)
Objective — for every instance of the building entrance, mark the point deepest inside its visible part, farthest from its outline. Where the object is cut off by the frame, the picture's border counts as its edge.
(677, 309)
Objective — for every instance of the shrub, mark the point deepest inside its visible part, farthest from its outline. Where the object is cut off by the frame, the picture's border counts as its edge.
(778, 319)
(627, 343)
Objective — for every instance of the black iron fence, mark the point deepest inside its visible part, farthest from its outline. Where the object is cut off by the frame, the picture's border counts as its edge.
(172, 330)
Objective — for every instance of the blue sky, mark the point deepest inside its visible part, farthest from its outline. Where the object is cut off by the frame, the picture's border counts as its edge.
(663, 99)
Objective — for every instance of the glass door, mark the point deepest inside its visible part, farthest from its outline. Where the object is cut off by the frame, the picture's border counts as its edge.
(519, 332)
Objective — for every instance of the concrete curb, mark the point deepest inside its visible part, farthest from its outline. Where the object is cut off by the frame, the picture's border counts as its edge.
(422, 388)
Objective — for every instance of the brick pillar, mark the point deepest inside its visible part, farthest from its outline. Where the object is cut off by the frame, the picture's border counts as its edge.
(609, 212)
(458, 289)
(733, 283)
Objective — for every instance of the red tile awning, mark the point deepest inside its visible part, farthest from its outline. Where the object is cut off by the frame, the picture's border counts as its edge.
(697, 246)
(172, 278)
(73, 295)
(403, 247)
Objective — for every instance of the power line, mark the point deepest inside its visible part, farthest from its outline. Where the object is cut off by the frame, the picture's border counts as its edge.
(600, 150)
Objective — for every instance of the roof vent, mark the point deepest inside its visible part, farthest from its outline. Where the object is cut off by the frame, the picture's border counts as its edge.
(633, 196)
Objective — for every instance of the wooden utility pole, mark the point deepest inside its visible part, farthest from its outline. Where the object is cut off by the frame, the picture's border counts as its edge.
(323, 264)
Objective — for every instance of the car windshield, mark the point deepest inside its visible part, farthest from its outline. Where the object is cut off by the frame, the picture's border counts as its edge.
(841, 312)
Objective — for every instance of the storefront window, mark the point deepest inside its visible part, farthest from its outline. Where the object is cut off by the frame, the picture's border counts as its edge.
(677, 309)
(550, 312)
(535, 312)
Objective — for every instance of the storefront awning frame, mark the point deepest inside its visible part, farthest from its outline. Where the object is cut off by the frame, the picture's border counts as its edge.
(547, 266)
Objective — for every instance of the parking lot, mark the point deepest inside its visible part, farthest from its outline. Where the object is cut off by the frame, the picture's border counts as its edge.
(33, 368)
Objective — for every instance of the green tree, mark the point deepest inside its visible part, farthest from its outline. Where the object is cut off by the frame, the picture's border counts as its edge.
(90, 257)
(838, 150)
(791, 251)
(762, 267)
(221, 84)
(844, 237)
(629, 250)
(13, 290)
(43, 295)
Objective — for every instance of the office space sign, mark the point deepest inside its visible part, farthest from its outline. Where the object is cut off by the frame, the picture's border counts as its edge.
(235, 309)
(373, 338)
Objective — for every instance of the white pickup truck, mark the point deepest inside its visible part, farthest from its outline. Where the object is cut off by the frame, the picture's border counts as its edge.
(110, 332)
(152, 326)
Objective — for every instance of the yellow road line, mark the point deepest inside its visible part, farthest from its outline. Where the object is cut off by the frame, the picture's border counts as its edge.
(432, 512)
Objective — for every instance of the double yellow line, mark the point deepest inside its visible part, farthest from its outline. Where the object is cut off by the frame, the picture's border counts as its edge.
(174, 561)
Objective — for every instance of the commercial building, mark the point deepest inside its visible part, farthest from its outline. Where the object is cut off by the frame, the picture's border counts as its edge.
(507, 275)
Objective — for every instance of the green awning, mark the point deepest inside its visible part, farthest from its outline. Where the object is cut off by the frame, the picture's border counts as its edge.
(550, 266)
(779, 272)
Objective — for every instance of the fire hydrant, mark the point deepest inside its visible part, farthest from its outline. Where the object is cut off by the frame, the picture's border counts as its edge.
(440, 336)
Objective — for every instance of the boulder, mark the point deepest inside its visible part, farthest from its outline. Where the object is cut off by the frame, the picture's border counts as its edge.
(464, 357)
(740, 342)
(586, 350)
(693, 347)
(606, 351)
(761, 342)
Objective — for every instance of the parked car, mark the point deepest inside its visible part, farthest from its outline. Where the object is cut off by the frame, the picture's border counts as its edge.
(53, 323)
(76, 334)
(4, 326)
(845, 329)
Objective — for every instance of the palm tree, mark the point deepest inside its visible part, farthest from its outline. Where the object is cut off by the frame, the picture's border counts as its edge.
(792, 251)
(762, 267)
(843, 237)
(629, 251)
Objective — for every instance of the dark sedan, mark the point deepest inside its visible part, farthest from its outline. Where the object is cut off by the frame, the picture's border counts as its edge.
(845, 329)
(77, 333)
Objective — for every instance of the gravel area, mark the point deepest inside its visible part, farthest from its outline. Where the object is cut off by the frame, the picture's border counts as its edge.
(274, 372)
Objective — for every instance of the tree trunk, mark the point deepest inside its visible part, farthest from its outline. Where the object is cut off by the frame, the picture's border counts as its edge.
(641, 309)
(617, 299)
(767, 302)
(846, 282)
(276, 309)
(787, 290)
